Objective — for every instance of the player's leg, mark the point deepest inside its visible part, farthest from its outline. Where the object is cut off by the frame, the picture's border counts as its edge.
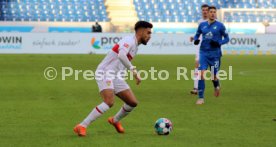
(123, 91)
(201, 87)
(108, 101)
(195, 89)
(216, 66)
(203, 61)
(107, 93)
(130, 103)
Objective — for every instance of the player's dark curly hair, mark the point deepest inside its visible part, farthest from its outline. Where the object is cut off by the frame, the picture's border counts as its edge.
(212, 7)
(142, 24)
(204, 6)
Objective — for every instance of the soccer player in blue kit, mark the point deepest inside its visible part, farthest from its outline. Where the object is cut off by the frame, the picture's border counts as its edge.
(213, 36)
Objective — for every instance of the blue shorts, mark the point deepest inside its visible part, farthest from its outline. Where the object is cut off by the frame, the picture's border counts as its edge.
(206, 61)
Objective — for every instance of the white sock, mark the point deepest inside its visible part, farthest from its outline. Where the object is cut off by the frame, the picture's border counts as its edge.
(94, 114)
(123, 112)
(196, 78)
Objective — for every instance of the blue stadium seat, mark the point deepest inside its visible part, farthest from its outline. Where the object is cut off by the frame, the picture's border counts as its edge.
(52, 10)
(185, 10)
(151, 10)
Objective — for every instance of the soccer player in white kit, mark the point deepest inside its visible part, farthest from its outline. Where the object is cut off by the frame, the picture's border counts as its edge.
(117, 60)
(204, 10)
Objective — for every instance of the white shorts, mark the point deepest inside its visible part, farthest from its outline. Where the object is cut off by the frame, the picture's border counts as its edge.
(116, 84)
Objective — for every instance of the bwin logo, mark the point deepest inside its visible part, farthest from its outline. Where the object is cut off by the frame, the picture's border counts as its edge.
(11, 42)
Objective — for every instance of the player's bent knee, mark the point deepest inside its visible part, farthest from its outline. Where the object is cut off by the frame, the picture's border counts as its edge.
(196, 64)
(108, 97)
(133, 103)
(109, 100)
(202, 75)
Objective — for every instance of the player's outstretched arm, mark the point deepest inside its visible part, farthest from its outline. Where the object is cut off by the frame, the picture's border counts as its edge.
(136, 76)
(197, 35)
(122, 55)
(125, 61)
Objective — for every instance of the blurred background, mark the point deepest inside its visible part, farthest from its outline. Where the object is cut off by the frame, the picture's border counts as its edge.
(38, 34)
(174, 16)
(177, 17)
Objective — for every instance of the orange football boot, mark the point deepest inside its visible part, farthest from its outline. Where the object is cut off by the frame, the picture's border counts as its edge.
(80, 130)
(118, 126)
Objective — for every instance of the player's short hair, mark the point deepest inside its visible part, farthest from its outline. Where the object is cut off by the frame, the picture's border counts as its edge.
(142, 24)
(212, 7)
(204, 6)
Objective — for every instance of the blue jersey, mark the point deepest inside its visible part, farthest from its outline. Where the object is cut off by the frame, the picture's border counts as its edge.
(211, 32)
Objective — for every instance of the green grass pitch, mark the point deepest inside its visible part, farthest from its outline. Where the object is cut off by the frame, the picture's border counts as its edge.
(38, 112)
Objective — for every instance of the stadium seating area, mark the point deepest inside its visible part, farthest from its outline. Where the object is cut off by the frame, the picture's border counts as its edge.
(169, 10)
(250, 17)
(185, 10)
(249, 3)
(53, 10)
(150, 10)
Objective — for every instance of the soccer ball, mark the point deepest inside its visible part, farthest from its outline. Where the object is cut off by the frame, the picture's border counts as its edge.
(163, 126)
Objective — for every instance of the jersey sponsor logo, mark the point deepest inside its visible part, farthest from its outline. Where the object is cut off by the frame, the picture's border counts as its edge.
(209, 35)
(126, 45)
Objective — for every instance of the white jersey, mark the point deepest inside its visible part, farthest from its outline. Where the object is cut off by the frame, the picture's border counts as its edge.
(198, 46)
(111, 62)
(202, 20)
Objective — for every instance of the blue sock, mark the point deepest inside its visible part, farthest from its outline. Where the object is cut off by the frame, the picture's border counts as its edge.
(201, 88)
(216, 83)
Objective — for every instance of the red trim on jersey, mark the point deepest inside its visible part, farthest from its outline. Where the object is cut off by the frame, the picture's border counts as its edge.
(129, 57)
(99, 110)
(116, 50)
